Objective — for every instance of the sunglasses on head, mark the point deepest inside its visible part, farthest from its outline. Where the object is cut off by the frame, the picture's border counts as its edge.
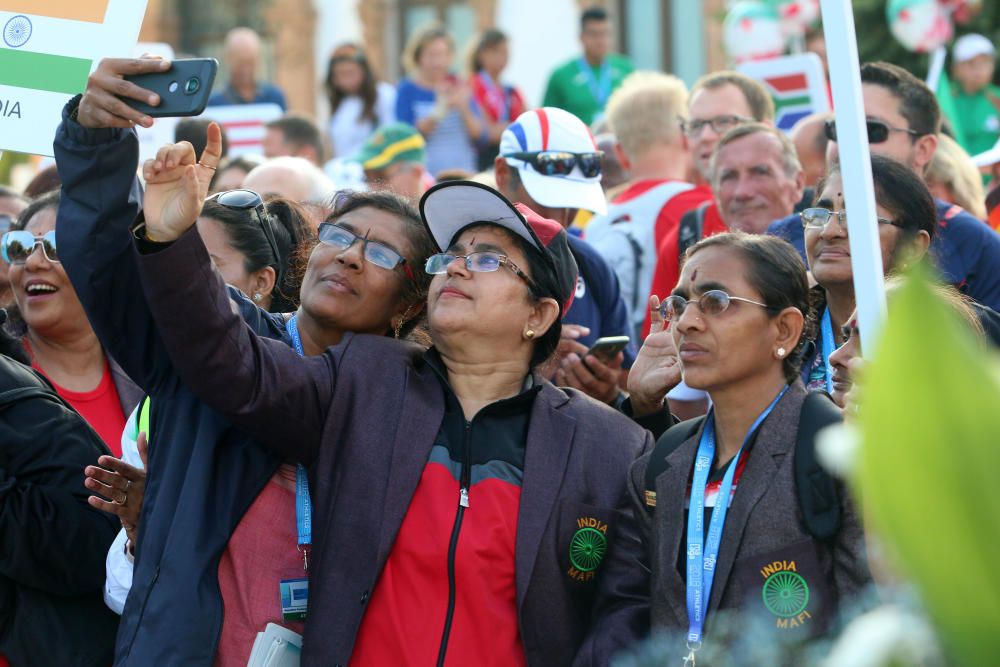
(712, 302)
(374, 252)
(17, 246)
(878, 132)
(561, 163)
(242, 200)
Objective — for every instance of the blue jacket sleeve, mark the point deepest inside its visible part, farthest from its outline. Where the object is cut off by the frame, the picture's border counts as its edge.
(101, 199)
(404, 103)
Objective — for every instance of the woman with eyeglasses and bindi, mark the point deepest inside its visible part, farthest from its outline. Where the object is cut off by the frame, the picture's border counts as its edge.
(729, 526)
(221, 531)
(906, 225)
(467, 511)
(57, 337)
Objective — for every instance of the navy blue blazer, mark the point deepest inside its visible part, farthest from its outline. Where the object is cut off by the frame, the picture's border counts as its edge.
(203, 472)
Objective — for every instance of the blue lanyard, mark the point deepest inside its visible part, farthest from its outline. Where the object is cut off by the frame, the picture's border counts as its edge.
(599, 88)
(829, 347)
(303, 504)
(702, 553)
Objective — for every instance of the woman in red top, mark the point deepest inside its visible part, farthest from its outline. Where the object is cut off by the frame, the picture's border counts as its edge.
(499, 103)
(56, 333)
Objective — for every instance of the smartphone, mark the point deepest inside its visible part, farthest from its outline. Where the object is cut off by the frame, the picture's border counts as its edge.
(608, 347)
(183, 89)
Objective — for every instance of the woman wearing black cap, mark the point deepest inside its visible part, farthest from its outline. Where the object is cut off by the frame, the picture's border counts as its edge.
(465, 510)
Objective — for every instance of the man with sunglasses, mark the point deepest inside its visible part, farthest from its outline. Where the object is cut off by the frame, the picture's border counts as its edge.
(903, 120)
(549, 162)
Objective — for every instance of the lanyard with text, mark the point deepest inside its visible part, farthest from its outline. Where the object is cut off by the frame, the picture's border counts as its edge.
(829, 347)
(703, 552)
(303, 505)
(599, 88)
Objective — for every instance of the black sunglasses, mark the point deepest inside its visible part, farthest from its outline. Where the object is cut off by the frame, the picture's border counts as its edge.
(561, 163)
(241, 200)
(878, 132)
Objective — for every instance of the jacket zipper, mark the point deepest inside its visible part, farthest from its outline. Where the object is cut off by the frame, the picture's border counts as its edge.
(463, 504)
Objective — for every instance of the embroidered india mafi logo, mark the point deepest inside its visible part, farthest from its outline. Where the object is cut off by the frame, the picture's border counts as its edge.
(587, 548)
(785, 593)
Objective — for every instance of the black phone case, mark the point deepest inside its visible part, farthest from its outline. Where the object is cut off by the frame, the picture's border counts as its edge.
(178, 102)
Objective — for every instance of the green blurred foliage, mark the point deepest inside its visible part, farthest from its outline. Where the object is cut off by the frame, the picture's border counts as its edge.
(875, 42)
(927, 470)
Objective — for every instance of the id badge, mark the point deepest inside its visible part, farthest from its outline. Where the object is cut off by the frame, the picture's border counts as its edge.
(294, 599)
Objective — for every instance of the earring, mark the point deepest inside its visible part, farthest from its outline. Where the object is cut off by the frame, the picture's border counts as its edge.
(529, 334)
(257, 296)
(781, 352)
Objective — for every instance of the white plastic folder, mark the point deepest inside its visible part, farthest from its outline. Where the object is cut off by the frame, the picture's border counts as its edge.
(276, 647)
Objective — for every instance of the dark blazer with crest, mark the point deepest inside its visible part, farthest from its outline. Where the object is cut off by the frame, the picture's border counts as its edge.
(363, 417)
(764, 525)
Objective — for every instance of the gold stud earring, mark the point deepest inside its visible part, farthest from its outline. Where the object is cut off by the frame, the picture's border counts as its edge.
(529, 334)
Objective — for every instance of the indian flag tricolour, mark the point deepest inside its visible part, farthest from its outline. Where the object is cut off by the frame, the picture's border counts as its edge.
(47, 50)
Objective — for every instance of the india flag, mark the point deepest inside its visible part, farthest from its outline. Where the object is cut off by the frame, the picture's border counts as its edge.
(48, 49)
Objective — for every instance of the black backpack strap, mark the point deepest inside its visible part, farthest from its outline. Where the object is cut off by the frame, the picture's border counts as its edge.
(818, 492)
(691, 227)
(673, 438)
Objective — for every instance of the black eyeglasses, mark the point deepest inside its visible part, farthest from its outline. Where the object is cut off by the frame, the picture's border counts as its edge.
(374, 252)
(17, 246)
(819, 218)
(878, 132)
(477, 262)
(712, 302)
(719, 124)
(561, 163)
(242, 200)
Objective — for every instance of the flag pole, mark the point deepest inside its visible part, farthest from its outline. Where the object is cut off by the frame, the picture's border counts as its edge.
(856, 169)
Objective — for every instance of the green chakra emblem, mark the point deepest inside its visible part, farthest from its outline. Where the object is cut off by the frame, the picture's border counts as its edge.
(786, 594)
(587, 548)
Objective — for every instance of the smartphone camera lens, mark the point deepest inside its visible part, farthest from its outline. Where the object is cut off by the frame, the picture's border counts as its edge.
(192, 86)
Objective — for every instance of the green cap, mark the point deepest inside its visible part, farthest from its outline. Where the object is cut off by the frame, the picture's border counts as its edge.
(392, 143)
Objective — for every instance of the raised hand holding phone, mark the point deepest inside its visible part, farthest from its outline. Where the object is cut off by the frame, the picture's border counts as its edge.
(657, 368)
(177, 184)
(103, 102)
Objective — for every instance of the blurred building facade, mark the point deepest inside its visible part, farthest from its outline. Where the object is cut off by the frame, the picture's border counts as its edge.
(679, 36)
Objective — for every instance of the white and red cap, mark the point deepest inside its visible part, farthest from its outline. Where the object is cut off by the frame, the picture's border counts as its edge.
(552, 129)
(451, 206)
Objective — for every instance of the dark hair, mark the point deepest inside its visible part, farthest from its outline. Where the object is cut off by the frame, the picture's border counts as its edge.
(44, 181)
(917, 103)
(37, 205)
(10, 345)
(421, 244)
(488, 40)
(758, 99)
(291, 231)
(195, 132)
(299, 131)
(776, 272)
(352, 53)
(592, 14)
(899, 190)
